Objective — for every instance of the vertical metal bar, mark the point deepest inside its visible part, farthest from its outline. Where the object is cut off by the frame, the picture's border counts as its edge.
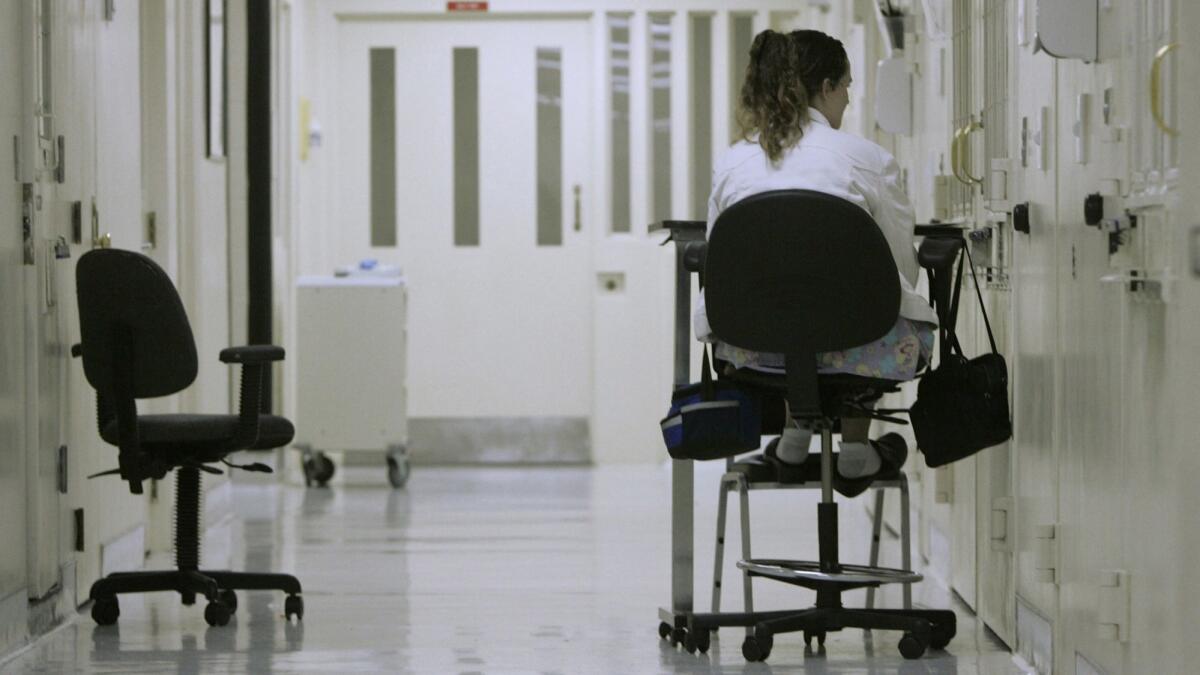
(682, 471)
(259, 274)
(905, 539)
(719, 557)
(876, 530)
(747, 585)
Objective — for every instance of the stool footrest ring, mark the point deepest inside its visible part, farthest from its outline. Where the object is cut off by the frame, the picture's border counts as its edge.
(806, 570)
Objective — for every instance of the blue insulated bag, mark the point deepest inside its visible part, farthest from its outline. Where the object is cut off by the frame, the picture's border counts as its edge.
(711, 420)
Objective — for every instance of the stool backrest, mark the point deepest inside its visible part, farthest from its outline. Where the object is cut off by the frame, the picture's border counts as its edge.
(799, 272)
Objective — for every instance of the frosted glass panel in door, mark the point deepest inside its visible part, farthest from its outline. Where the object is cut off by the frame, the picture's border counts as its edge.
(500, 328)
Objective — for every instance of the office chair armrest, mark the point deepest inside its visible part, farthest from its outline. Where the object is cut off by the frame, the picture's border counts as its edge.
(254, 360)
(939, 253)
(252, 354)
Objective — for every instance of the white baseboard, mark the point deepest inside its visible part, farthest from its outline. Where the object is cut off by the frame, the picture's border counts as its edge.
(124, 553)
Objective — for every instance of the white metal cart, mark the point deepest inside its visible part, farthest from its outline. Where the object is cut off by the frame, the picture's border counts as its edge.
(351, 364)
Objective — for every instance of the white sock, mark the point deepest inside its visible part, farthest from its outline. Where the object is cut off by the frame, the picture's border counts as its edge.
(857, 459)
(793, 444)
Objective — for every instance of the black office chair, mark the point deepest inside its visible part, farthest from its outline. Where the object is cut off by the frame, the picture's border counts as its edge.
(136, 343)
(800, 272)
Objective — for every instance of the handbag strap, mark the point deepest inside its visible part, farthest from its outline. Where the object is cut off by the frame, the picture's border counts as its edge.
(707, 390)
(987, 324)
(950, 344)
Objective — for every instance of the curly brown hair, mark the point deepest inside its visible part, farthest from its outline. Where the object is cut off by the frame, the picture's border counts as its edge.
(785, 72)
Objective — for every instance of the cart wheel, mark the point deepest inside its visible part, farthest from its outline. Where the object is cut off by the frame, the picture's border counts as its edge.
(319, 469)
(697, 640)
(397, 470)
(664, 630)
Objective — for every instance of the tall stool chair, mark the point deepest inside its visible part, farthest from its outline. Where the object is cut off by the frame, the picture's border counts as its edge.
(799, 272)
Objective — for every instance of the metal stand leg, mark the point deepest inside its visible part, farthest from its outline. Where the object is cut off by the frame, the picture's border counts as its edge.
(747, 585)
(876, 530)
(905, 539)
(719, 558)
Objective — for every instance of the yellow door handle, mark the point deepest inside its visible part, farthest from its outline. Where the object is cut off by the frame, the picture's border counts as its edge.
(1156, 89)
(955, 151)
(964, 154)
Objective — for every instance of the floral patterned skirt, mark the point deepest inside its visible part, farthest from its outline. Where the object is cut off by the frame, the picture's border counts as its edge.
(899, 355)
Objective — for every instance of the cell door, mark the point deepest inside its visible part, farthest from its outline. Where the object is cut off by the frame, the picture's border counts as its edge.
(45, 350)
(12, 334)
(463, 155)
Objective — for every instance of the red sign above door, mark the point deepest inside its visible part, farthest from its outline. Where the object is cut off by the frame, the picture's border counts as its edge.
(466, 7)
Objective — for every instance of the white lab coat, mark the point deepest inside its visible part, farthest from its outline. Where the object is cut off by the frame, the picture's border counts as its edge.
(837, 163)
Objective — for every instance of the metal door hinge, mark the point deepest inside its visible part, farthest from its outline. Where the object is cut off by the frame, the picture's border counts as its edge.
(1045, 553)
(61, 470)
(27, 223)
(1113, 601)
(1001, 524)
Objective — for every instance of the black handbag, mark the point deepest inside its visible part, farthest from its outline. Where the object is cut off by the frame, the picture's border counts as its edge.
(962, 405)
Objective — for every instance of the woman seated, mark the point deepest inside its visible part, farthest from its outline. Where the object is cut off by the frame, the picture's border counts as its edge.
(791, 106)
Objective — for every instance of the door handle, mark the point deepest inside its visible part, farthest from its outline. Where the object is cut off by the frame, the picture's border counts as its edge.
(963, 154)
(1156, 89)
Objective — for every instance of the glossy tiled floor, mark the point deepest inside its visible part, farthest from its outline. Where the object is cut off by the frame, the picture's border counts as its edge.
(541, 571)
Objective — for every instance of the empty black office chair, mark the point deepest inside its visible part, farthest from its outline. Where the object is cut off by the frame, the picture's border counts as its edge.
(136, 343)
(800, 272)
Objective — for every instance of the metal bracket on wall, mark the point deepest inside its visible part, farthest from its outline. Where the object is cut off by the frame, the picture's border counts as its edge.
(1045, 553)
(1113, 600)
(1001, 523)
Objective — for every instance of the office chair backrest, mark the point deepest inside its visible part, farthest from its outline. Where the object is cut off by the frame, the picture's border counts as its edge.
(792, 270)
(129, 311)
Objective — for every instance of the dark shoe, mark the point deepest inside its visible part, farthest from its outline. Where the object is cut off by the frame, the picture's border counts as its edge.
(792, 474)
(893, 451)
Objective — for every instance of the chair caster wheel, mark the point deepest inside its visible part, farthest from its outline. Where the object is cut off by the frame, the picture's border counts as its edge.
(398, 469)
(942, 635)
(229, 598)
(911, 646)
(754, 649)
(217, 613)
(318, 469)
(664, 630)
(678, 635)
(818, 634)
(293, 606)
(106, 611)
(697, 640)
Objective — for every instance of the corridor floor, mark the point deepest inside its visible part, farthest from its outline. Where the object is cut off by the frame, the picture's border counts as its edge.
(496, 570)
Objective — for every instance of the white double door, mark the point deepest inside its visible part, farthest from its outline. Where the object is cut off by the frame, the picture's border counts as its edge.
(501, 328)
